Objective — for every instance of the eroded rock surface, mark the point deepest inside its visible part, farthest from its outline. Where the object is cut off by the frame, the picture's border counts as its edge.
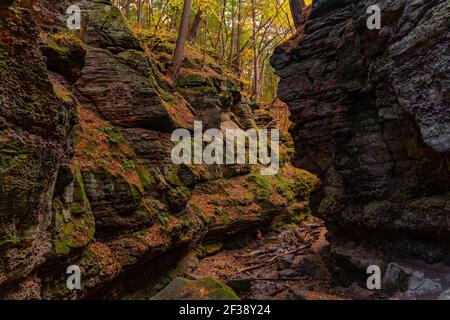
(371, 109)
(86, 175)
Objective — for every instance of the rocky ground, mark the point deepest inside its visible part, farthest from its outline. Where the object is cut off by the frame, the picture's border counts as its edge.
(296, 263)
(288, 265)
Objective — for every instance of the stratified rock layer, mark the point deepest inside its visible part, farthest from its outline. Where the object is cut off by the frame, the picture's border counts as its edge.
(372, 115)
(86, 175)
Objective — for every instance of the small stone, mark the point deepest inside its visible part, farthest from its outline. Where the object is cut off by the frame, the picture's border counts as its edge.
(310, 268)
(421, 286)
(444, 295)
(285, 263)
(240, 285)
(287, 273)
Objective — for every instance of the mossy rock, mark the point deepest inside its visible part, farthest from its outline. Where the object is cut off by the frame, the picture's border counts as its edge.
(140, 63)
(74, 224)
(107, 28)
(192, 80)
(65, 54)
(182, 175)
(298, 212)
(209, 249)
(165, 46)
(202, 289)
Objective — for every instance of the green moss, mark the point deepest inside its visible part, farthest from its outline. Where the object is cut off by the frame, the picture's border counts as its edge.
(209, 249)
(67, 36)
(199, 212)
(113, 135)
(164, 218)
(223, 216)
(184, 175)
(218, 289)
(182, 230)
(75, 234)
(77, 229)
(149, 209)
(192, 80)
(203, 289)
(297, 213)
(55, 47)
(262, 187)
(138, 61)
(215, 202)
(79, 189)
(5, 243)
(145, 177)
(329, 200)
(172, 176)
(63, 94)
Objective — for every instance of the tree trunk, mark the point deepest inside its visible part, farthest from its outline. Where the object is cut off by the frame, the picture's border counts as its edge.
(178, 53)
(255, 85)
(139, 13)
(237, 58)
(205, 41)
(193, 31)
(296, 11)
(149, 13)
(219, 32)
(233, 33)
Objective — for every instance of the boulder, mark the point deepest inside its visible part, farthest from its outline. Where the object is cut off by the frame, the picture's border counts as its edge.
(203, 289)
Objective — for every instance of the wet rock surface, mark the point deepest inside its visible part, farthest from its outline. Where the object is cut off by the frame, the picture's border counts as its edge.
(298, 263)
(291, 264)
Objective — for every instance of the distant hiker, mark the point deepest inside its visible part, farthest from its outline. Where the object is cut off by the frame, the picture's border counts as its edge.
(259, 238)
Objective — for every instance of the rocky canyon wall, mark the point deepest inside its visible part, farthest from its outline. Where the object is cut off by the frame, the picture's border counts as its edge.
(86, 176)
(372, 119)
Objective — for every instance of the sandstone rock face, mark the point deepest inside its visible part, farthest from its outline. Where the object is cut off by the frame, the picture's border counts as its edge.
(86, 176)
(371, 109)
(35, 134)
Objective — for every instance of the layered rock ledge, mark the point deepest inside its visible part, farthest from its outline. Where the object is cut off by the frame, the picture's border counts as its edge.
(372, 115)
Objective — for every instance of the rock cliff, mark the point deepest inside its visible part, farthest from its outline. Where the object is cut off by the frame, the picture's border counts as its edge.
(86, 177)
(372, 117)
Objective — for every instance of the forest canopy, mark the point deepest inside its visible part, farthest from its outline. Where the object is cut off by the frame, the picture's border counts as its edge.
(239, 34)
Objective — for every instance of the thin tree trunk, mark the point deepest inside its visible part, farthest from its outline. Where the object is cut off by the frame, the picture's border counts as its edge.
(296, 11)
(139, 13)
(219, 32)
(174, 20)
(193, 31)
(233, 32)
(149, 13)
(255, 86)
(162, 12)
(205, 41)
(259, 93)
(237, 57)
(178, 53)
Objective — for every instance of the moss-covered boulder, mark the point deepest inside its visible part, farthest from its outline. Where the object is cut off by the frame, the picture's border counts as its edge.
(65, 55)
(203, 289)
(105, 27)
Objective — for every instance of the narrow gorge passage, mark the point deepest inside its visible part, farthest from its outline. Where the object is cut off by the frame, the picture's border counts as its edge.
(115, 180)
